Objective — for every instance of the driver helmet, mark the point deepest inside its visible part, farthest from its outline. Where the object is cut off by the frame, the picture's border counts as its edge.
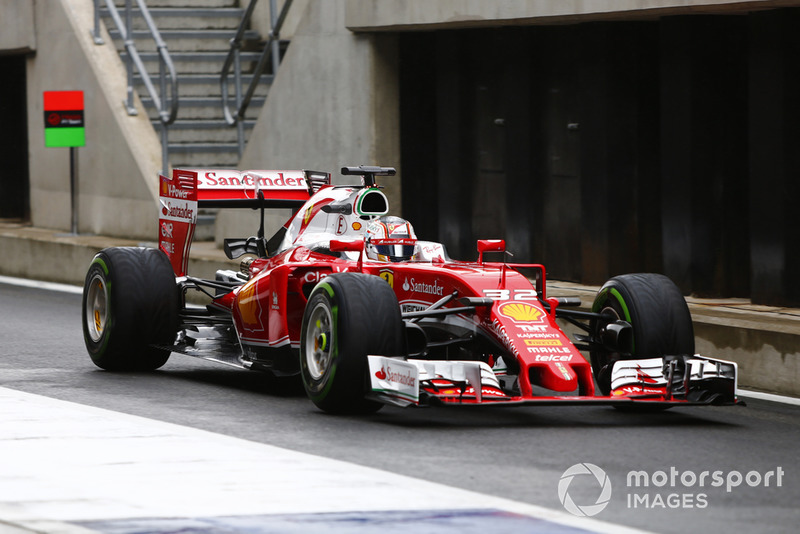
(390, 239)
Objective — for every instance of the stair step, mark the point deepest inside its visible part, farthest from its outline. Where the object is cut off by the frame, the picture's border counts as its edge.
(203, 132)
(181, 11)
(183, 124)
(210, 78)
(200, 102)
(213, 148)
(228, 159)
(195, 56)
(196, 62)
(187, 40)
(208, 85)
(202, 108)
(183, 3)
(173, 18)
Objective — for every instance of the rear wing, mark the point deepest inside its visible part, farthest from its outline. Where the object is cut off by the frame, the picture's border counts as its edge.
(187, 190)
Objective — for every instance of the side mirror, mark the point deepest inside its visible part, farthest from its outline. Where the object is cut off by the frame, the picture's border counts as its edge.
(349, 245)
(354, 245)
(490, 245)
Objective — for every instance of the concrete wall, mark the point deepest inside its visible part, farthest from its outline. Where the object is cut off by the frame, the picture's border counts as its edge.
(261, 17)
(16, 27)
(380, 15)
(334, 103)
(769, 360)
(117, 168)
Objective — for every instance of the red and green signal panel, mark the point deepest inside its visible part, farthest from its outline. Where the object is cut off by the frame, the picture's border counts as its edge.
(63, 119)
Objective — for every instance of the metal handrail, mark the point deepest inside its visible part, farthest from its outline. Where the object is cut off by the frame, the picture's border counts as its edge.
(166, 113)
(271, 48)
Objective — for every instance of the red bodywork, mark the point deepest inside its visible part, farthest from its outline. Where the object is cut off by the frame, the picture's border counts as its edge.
(268, 309)
(510, 314)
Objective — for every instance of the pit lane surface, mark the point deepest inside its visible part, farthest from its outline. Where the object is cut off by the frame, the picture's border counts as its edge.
(519, 454)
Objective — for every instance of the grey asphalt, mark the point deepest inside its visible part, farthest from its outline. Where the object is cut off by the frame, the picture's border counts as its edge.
(519, 454)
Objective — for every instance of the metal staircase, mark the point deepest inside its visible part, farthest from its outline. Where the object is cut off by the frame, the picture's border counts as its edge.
(197, 34)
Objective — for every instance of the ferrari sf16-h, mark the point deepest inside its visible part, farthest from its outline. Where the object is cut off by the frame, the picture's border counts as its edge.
(348, 297)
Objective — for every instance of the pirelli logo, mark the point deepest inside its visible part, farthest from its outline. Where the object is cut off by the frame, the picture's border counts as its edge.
(543, 342)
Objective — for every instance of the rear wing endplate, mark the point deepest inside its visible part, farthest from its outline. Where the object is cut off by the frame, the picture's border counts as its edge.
(187, 190)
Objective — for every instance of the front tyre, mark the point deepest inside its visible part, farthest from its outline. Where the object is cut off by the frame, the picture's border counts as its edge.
(657, 311)
(348, 317)
(130, 302)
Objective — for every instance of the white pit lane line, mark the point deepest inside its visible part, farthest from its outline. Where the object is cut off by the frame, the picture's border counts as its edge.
(38, 284)
(68, 468)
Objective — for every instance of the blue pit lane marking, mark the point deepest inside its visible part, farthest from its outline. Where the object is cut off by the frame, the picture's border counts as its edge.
(385, 522)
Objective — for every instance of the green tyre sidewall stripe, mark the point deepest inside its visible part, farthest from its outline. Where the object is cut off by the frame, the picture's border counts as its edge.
(101, 262)
(627, 313)
(600, 301)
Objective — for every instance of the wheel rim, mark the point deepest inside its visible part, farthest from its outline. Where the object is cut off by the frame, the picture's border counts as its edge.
(319, 341)
(96, 308)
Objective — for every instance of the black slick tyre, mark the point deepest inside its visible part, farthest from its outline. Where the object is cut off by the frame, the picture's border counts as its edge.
(130, 303)
(657, 311)
(348, 317)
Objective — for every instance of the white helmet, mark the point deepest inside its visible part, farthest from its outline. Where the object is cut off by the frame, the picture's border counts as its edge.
(390, 239)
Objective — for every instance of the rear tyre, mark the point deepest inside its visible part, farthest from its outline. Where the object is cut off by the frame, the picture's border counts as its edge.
(348, 316)
(130, 302)
(657, 311)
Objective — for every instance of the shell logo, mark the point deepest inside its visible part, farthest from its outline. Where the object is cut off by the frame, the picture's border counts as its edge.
(248, 304)
(521, 312)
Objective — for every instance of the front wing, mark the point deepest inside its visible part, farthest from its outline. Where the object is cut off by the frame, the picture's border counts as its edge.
(667, 381)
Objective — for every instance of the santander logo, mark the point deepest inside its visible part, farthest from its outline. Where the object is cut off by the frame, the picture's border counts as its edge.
(423, 287)
(404, 377)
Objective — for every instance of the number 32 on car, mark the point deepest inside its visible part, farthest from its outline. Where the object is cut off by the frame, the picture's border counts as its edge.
(509, 294)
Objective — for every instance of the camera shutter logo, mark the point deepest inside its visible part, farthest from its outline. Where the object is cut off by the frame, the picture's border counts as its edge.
(582, 470)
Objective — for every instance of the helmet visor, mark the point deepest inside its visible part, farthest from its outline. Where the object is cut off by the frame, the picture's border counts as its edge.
(394, 249)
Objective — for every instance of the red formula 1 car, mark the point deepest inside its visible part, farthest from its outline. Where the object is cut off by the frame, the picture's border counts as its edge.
(366, 313)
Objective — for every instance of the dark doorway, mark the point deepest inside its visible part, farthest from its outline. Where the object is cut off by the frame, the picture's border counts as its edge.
(14, 180)
(611, 147)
